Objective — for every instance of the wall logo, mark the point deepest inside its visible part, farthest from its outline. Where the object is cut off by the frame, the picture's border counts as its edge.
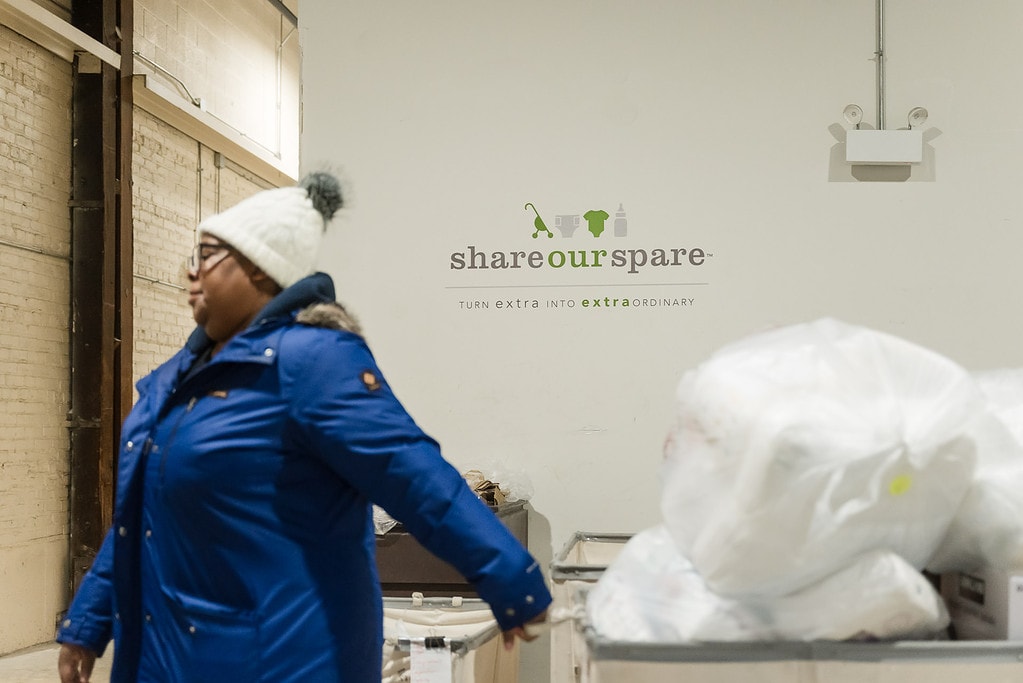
(474, 258)
(567, 223)
(599, 248)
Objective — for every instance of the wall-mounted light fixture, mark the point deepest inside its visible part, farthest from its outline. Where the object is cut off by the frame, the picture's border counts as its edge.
(917, 117)
(853, 113)
(881, 146)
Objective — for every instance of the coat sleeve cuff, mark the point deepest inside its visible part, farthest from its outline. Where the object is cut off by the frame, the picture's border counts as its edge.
(89, 620)
(79, 632)
(528, 596)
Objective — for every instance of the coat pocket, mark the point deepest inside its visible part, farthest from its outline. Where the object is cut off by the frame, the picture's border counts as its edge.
(219, 643)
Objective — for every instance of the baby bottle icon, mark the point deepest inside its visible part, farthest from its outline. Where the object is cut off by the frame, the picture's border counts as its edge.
(621, 225)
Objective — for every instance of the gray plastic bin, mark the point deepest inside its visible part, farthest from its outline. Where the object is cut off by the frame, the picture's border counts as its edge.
(579, 564)
(404, 566)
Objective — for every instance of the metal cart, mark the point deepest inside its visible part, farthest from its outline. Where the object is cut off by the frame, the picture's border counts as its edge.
(939, 661)
(464, 628)
(579, 564)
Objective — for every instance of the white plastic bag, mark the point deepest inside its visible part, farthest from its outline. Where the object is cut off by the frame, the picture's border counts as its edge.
(987, 529)
(1003, 390)
(382, 522)
(651, 593)
(798, 450)
(514, 483)
(879, 596)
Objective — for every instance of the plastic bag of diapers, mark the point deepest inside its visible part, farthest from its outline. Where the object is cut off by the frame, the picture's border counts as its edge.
(651, 593)
(799, 449)
(987, 529)
(1003, 390)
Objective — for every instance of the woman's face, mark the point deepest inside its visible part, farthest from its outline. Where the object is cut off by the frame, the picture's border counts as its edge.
(231, 298)
(196, 301)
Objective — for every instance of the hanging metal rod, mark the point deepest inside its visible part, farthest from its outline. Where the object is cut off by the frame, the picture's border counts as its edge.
(191, 98)
(879, 54)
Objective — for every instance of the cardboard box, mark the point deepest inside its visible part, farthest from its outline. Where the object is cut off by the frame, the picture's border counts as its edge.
(986, 604)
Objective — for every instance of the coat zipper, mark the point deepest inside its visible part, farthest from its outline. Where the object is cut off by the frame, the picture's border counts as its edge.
(170, 439)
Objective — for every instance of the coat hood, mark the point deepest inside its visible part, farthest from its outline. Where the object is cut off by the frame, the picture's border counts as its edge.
(311, 297)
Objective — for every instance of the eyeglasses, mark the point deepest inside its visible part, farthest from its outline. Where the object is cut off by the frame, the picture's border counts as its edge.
(199, 259)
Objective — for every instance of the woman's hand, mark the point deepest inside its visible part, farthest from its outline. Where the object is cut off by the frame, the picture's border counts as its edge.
(526, 632)
(75, 663)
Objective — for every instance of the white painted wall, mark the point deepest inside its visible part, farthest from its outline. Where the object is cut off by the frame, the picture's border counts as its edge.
(717, 124)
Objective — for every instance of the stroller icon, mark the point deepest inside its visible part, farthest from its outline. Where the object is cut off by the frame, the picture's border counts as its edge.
(538, 222)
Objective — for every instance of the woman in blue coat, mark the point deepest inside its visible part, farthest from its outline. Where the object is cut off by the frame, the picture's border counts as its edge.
(242, 547)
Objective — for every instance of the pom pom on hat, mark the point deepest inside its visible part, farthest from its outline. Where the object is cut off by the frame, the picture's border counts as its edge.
(280, 230)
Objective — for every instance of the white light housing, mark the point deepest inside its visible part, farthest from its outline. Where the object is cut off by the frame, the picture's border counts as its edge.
(884, 147)
(917, 117)
(853, 113)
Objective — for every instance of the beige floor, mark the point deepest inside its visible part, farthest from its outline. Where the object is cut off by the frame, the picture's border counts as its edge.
(39, 665)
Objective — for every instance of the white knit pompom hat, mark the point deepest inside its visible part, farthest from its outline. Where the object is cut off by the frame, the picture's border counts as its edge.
(280, 230)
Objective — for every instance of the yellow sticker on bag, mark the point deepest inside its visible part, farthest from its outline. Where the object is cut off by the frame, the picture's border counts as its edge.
(900, 484)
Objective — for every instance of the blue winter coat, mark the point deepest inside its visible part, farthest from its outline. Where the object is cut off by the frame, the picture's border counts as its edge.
(242, 547)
